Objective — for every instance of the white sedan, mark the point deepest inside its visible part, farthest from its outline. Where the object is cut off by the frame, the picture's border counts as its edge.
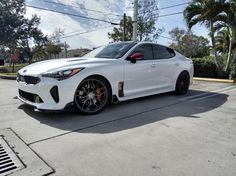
(116, 72)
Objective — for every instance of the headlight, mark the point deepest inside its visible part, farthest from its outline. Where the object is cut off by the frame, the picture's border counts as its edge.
(62, 74)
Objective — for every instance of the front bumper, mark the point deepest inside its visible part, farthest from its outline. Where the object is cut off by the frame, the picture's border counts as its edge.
(48, 94)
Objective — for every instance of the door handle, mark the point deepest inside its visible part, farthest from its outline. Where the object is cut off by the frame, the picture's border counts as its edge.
(153, 65)
(176, 64)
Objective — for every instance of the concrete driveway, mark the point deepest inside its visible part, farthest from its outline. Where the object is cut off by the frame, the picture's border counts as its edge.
(166, 135)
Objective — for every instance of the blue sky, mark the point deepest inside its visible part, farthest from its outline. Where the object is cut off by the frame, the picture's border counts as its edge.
(50, 20)
(168, 23)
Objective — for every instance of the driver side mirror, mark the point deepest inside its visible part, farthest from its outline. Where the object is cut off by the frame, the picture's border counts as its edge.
(135, 57)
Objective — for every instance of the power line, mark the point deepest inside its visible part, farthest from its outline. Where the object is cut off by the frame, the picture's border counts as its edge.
(170, 14)
(168, 7)
(166, 15)
(71, 14)
(176, 5)
(72, 35)
(92, 10)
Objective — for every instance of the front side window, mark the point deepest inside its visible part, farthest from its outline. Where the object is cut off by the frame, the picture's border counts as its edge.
(161, 52)
(146, 50)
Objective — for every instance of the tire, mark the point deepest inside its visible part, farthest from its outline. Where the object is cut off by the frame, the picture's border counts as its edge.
(92, 95)
(182, 84)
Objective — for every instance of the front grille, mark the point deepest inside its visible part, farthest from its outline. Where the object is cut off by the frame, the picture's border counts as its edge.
(8, 160)
(30, 97)
(28, 79)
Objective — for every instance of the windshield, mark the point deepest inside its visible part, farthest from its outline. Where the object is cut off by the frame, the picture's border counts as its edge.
(112, 51)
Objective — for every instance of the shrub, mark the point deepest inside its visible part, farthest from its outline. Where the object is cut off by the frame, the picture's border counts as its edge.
(3, 70)
(233, 72)
(205, 67)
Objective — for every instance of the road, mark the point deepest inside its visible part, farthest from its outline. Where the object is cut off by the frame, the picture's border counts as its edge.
(191, 135)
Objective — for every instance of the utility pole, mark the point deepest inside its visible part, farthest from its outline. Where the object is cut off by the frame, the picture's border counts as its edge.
(135, 20)
(124, 27)
(65, 45)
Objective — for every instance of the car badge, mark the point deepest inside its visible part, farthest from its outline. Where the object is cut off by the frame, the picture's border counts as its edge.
(24, 71)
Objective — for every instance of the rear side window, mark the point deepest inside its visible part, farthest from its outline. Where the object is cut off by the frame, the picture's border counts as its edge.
(161, 52)
(146, 50)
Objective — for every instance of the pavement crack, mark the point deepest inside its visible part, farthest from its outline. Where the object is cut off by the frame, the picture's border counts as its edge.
(53, 170)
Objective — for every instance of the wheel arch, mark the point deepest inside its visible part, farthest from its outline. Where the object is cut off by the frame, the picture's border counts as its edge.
(183, 71)
(177, 84)
(103, 78)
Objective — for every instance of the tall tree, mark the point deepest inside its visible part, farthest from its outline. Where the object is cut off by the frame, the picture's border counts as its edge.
(11, 19)
(54, 46)
(56, 36)
(147, 18)
(228, 17)
(117, 34)
(30, 32)
(204, 12)
(16, 30)
(189, 44)
(222, 41)
(53, 49)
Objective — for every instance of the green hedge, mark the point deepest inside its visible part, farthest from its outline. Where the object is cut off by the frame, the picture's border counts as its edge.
(233, 71)
(205, 67)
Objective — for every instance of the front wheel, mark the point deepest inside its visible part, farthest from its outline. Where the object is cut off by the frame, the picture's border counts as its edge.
(182, 84)
(92, 95)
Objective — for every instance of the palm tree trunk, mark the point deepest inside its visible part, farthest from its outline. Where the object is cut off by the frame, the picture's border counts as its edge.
(214, 50)
(229, 52)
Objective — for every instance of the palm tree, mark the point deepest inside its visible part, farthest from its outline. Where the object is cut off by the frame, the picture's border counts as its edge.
(226, 19)
(215, 13)
(205, 12)
(222, 41)
(231, 21)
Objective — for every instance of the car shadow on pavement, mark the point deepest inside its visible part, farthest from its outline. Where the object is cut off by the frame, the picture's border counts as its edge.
(133, 113)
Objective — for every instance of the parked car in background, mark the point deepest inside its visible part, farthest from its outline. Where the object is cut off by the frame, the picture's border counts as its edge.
(116, 72)
(2, 62)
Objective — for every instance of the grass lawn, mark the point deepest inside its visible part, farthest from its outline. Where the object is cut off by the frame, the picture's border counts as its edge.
(8, 70)
(8, 74)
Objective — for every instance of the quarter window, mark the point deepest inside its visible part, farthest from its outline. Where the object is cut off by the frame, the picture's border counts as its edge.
(161, 52)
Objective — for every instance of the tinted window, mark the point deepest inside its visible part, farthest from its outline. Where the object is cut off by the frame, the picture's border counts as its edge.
(146, 50)
(115, 50)
(161, 52)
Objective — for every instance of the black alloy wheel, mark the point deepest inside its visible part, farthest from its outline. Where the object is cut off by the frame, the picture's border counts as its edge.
(92, 95)
(182, 84)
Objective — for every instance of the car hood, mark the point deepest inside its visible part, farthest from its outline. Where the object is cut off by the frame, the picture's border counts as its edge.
(57, 64)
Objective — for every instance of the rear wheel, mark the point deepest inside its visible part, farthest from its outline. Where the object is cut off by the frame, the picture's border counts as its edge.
(182, 84)
(92, 95)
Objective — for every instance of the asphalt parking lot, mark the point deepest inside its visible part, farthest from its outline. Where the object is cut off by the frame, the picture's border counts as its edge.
(166, 135)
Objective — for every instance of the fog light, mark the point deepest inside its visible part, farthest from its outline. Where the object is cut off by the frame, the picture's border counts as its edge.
(37, 99)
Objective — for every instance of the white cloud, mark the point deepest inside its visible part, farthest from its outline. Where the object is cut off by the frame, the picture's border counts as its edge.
(51, 20)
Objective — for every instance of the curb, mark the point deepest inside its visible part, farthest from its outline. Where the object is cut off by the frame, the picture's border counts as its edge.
(214, 80)
(8, 77)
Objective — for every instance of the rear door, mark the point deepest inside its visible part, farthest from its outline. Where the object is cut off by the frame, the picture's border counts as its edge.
(166, 66)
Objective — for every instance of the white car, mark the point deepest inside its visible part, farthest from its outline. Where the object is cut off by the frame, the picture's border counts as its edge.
(116, 72)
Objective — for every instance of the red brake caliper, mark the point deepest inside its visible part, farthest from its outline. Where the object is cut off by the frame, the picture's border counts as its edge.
(98, 94)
